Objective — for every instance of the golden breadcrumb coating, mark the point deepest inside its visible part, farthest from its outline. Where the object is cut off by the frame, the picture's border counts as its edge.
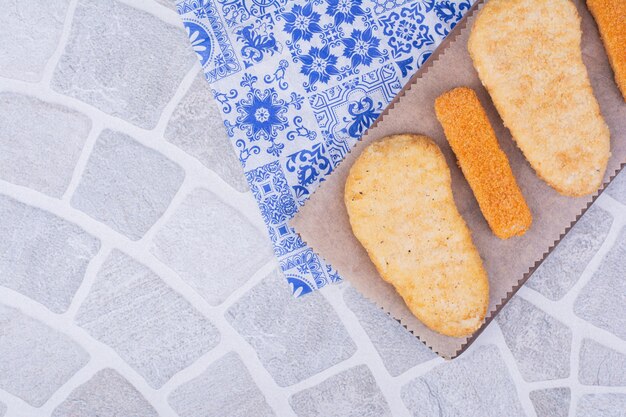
(485, 166)
(610, 15)
(528, 56)
(399, 199)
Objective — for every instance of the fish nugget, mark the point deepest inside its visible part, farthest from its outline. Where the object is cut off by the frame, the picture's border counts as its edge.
(527, 54)
(610, 15)
(399, 199)
(483, 163)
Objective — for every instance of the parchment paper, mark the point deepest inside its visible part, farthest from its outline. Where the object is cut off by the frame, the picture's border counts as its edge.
(509, 263)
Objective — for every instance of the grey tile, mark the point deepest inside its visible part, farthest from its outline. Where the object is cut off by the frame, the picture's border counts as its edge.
(562, 269)
(168, 3)
(40, 155)
(351, 393)
(540, 344)
(399, 349)
(128, 64)
(126, 185)
(600, 365)
(30, 32)
(35, 360)
(294, 338)
(148, 324)
(617, 188)
(233, 393)
(108, 394)
(212, 246)
(551, 402)
(197, 128)
(602, 302)
(602, 405)
(474, 385)
(41, 255)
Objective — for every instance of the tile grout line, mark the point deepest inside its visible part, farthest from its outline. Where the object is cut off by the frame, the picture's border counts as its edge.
(184, 191)
(264, 271)
(161, 275)
(60, 209)
(242, 202)
(215, 315)
(616, 208)
(233, 341)
(367, 351)
(81, 376)
(592, 266)
(418, 371)
(105, 355)
(278, 397)
(137, 251)
(14, 403)
(89, 279)
(96, 128)
(53, 61)
(81, 163)
(573, 369)
(316, 379)
(591, 332)
(521, 386)
(563, 309)
(180, 93)
(155, 9)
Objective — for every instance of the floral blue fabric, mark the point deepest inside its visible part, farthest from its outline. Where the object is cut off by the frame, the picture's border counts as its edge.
(298, 82)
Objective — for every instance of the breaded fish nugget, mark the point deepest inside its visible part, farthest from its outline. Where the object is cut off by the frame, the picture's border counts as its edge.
(610, 15)
(528, 56)
(399, 198)
(483, 163)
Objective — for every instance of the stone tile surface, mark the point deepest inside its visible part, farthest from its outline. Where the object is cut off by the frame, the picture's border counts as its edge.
(35, 360)
(168, 3)
(562, 269)
(351, 393)
(474, 385)
(551, 402)
(108, 394)
(128, 64)
(41, 155)
(117, 65)
(211, 245)
(293, 338)
(600, 365)
(147, 323)
(197, 128)
(126, 185)
(398, 348)
(602, 405)
(540, 343)
(225, 388)
(602, 302)
(42, 256)
(30, 33)
(617, 188)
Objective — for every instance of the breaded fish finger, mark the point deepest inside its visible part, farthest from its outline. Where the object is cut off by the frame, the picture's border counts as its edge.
(528, 56)
(399, 199)
(610, 15)
(483, 163)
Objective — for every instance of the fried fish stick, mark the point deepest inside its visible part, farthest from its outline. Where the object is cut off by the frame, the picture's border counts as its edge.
(485, 166)
(399, 200)
(610, 15)
(528, 56)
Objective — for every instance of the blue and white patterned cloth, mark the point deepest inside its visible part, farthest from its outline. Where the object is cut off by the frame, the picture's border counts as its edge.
(298, 83)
